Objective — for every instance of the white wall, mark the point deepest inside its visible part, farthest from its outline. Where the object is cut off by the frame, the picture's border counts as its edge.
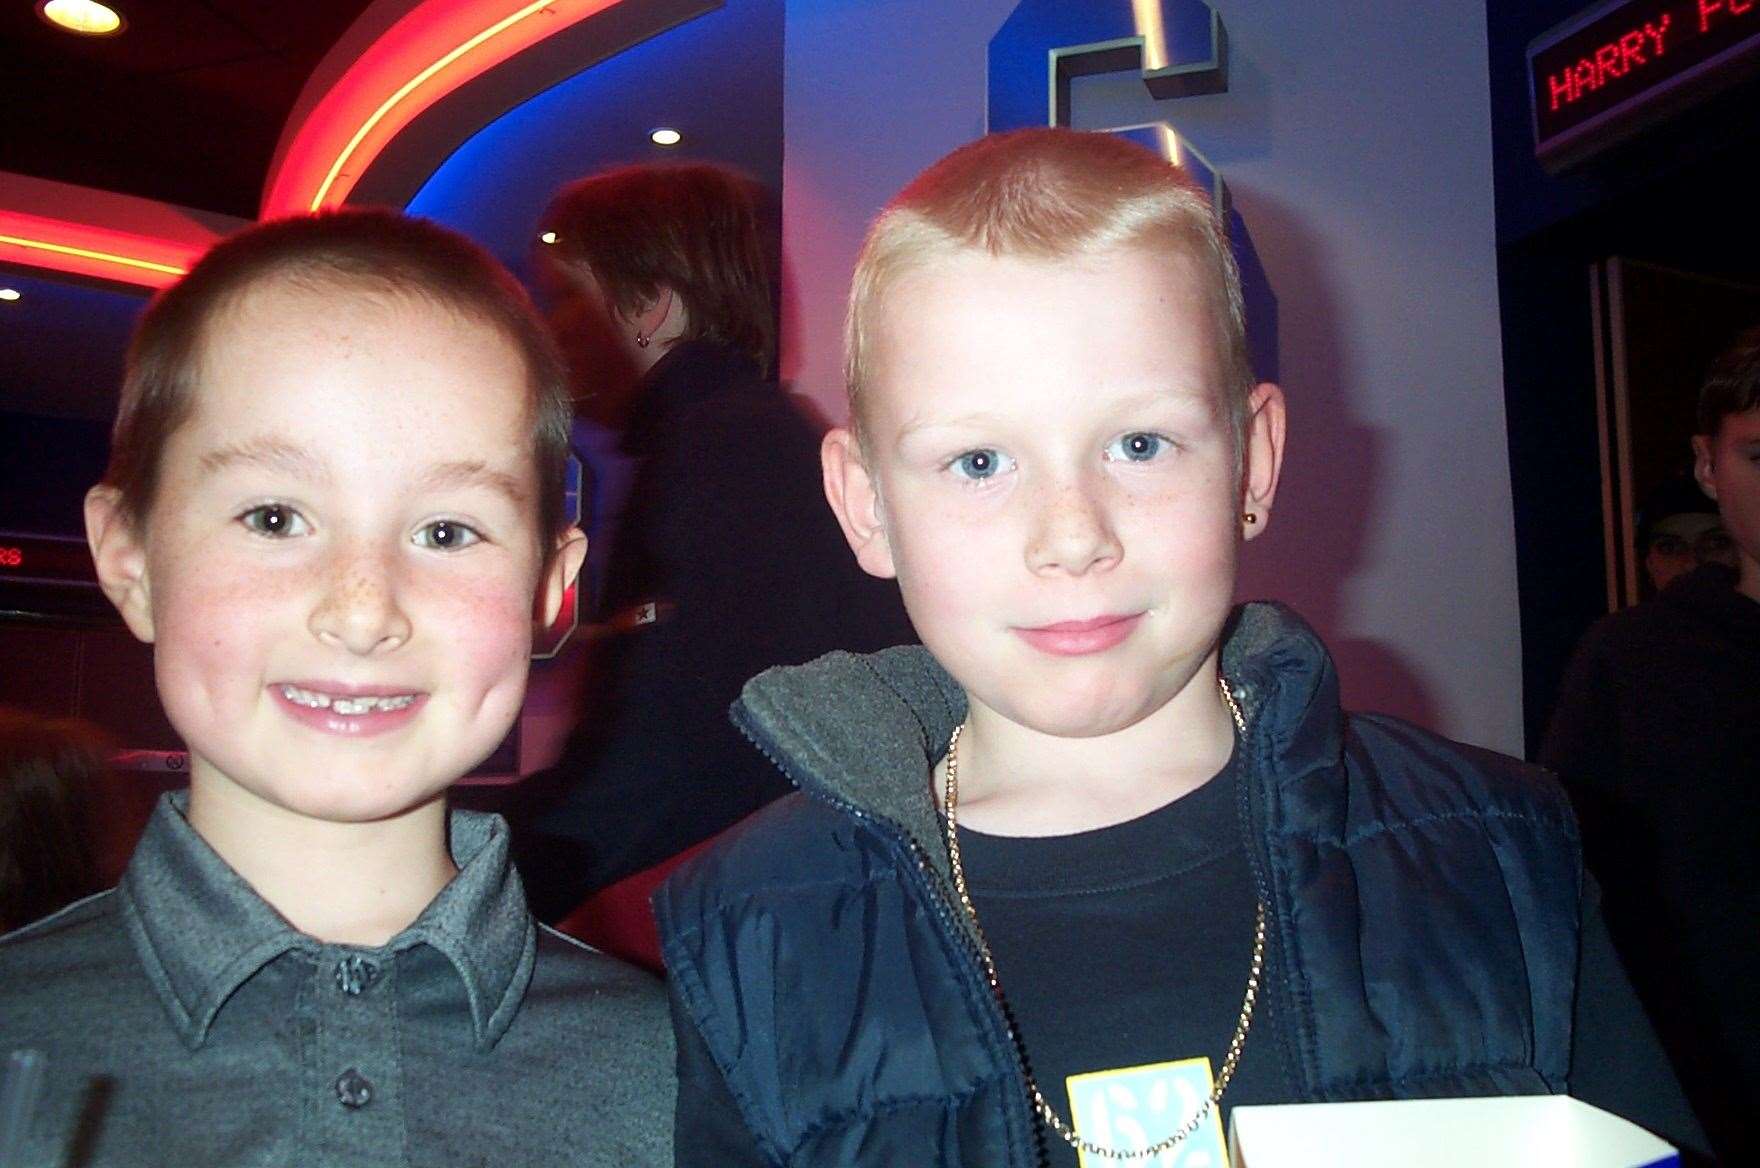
(1355, 138)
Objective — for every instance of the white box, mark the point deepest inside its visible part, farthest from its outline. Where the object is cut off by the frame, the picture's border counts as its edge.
(1547, 1131)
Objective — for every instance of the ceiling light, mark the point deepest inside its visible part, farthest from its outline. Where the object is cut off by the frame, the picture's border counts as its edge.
(8, 293)
(547, 237)
(86, 17)
(665, 136)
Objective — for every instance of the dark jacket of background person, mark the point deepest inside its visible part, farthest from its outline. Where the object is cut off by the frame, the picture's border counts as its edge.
(49, 779)
(727, 534)
(1423, 936)
(1657, 738)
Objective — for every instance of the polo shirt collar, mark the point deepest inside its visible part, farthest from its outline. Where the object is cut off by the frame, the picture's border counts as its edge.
(201, 931)
(481, 924)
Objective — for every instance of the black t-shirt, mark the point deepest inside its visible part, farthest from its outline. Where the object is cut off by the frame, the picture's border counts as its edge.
(1129, 947)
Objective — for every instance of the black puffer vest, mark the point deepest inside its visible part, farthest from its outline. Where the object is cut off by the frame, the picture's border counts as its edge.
(1423, 900)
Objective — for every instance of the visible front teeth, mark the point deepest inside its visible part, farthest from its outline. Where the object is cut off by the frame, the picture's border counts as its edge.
(348, 707)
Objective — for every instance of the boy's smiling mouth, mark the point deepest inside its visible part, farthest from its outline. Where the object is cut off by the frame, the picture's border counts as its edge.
(331, 708)
(345, 704)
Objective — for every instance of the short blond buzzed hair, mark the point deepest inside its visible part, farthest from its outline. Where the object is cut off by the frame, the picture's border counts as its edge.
(1050, 194)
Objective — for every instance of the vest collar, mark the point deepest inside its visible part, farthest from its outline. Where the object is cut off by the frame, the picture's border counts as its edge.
(865, 732)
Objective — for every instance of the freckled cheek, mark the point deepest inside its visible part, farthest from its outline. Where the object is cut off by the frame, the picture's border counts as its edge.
(215, 629)
(1193, 534)
(951, 568)
(484, 630)
(1205, 552)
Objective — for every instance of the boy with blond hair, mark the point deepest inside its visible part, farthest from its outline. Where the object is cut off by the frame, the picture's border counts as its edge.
(1103, 858)
(334, 507)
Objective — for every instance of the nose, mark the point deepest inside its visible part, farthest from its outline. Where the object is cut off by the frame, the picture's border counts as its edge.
(358, 606)
(1072, 530)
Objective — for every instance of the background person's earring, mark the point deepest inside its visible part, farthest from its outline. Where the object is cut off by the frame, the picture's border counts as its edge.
(643, 340)
(1249, 518)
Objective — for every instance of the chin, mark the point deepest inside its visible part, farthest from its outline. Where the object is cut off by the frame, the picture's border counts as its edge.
(354, 796)
(364, 807)
(1067, 715)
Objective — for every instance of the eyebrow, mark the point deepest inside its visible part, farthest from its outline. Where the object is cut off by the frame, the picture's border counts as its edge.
(920, 425)
(476, 473)
(270, 453)
(1180, 398)
(296, 462)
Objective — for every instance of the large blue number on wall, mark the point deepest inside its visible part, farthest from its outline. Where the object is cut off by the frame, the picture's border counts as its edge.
(1178, 47)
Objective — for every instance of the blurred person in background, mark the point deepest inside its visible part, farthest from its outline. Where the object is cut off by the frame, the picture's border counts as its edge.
(1657, 737)
(50, 771)
(713, 555)
(1679, 529)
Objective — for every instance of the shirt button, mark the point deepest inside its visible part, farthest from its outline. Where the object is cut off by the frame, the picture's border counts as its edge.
(353, 1090)
(355, 974)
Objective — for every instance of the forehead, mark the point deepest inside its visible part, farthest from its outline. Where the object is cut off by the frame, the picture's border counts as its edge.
(1687, 524)
(975, 325)
(333, 359)
(1740, 427)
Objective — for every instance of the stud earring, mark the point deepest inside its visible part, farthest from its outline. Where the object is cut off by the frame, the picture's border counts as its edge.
(643, 340)
(1249, 518)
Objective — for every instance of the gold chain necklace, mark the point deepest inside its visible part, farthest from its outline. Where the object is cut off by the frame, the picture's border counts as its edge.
(1229, 1061)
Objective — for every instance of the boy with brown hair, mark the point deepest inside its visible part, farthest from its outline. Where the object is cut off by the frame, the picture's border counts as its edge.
(1656, 736)
(1200, 883)
(334, 508)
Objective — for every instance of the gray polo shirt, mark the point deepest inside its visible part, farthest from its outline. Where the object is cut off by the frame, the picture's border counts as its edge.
(187, 1024)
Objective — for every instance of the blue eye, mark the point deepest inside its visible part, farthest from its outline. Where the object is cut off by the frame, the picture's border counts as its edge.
(1136, 447)
(446, 535)
(978, 465)
(275, 521)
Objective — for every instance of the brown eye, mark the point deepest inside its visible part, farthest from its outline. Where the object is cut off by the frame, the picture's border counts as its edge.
(275, 520)
(446, 535)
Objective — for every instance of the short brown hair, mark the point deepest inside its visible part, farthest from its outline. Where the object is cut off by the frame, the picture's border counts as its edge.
(1049, 194)
(1733, 384)
(690, 227)
(375, 250)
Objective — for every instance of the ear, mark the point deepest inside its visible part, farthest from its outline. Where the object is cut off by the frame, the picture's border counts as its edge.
(559, 572)
(652, 319)
(855, 500)
(1263, 457)
(120, 557)
(1704, 465)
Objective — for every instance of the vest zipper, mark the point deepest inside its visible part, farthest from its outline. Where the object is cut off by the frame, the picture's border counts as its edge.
(1276, 989)
(941, 897)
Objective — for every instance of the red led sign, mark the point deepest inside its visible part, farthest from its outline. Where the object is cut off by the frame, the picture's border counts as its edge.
(1621, 65)
(45, 559)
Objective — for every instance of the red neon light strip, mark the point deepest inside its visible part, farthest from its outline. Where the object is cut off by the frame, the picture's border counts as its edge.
(85, 249)
(436, 48)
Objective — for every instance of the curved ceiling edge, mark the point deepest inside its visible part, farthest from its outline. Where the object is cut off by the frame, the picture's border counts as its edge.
(409, 82)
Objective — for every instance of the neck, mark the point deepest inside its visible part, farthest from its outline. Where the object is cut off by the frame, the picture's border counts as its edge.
(665, 335)
(342, 883)
(646, 359)
(1017, 781)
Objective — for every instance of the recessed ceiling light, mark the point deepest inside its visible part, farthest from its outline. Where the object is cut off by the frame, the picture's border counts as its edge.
(665, 136)
(547, 237)
(86, 17)
(8, 293)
